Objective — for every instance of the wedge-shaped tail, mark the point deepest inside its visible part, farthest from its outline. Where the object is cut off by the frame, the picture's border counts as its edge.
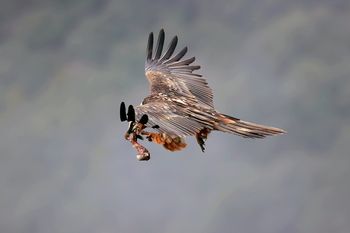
(246, 129)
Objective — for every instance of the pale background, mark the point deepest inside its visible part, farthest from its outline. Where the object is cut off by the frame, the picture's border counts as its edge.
(65, 66)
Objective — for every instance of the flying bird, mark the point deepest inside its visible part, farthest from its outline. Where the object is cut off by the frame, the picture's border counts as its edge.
(180, 104)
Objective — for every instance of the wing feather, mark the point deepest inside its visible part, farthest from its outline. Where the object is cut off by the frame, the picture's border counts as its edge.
(170, 50)
(168, 120)
(183, 62)
(175, 119)
(171, 74)
(150, 47)
(178, 56)
(160, 44)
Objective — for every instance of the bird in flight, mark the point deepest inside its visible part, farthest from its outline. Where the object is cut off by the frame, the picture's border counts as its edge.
(180, 104)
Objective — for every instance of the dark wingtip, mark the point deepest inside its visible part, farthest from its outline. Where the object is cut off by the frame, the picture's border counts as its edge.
(171, 49)
(161, 31)
(178, 56)
(131, 113)
(122, 112)
(195, 67)
(150, 46)
(160, 44)
(144, 119)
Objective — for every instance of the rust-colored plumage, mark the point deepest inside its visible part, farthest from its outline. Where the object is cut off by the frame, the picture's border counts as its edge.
(180, 103)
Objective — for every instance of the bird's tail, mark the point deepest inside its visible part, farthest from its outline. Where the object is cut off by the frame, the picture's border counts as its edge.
(245, 129)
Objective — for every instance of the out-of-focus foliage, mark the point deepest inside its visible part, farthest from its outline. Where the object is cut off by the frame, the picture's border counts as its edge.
(66, 65)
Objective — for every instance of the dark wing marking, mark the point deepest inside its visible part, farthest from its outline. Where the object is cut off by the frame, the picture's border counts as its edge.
(170, 73)
(122, 111)
(144, 119)
(173, 121)
(131, 113)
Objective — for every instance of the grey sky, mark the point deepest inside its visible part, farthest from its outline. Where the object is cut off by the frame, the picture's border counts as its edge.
(65, 66)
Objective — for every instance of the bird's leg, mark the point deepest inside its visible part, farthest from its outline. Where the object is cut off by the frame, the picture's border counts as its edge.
(201, 136)
(134, 132)
(142, 153)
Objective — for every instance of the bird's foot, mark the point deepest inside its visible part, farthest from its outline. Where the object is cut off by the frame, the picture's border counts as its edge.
(135, 130)
(142, 153)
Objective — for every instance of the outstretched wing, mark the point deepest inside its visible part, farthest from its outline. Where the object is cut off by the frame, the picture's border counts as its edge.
(172, 74)
(174, 120)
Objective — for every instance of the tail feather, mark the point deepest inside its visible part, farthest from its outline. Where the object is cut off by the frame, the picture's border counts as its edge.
(246, 129)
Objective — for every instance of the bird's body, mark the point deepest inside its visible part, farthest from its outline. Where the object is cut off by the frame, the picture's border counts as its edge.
(181, 102)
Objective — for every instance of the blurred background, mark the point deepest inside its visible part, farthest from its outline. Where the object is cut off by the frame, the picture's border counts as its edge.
(65, 66)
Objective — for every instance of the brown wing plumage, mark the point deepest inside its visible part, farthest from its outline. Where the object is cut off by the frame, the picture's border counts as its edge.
(181, 102)
(167, 73)
(171, 119)
(174, 89)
